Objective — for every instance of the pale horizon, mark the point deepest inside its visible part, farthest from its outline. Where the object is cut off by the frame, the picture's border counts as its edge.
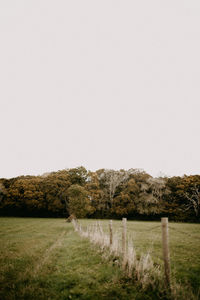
(158, 174)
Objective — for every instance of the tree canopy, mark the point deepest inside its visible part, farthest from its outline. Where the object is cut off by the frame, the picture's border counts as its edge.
(104, 193)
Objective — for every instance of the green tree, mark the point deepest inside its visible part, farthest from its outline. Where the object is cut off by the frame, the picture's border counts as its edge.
(78, 175)
(78, 201)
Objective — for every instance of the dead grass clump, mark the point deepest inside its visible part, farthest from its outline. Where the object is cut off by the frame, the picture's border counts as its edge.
(141, 269)
(138, 268)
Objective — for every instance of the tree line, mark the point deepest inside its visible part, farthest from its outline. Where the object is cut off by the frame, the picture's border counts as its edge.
(104, 193)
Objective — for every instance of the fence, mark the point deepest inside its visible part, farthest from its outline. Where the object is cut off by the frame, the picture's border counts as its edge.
(124, 250)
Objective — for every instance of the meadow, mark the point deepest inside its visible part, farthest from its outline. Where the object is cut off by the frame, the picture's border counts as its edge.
(47, 259)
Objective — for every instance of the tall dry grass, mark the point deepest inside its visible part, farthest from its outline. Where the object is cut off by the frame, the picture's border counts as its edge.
(141, 269)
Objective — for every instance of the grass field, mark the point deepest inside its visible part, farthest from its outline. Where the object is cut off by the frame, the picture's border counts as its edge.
(46, 259)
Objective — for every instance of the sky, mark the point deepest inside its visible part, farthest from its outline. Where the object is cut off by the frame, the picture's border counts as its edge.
(102, 84)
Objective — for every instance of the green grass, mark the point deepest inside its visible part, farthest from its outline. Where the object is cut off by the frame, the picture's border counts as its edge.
(184, 240)
(46, 259)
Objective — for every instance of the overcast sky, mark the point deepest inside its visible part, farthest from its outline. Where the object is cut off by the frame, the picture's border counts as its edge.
(103, 84)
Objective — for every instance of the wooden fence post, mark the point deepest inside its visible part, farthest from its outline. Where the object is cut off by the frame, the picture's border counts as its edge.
(124, 242)
(111, 233)
(165, 245)
(100, 228)
(96, 227)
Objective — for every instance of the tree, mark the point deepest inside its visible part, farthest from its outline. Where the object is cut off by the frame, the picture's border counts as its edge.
(193, 200)
(78, 201)
(78, 175)
(3, 194)
(55, 187)
(150, 196)
(95, 194)
(123, 205)
(157, 187)
(183, 202)
(111, 180)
